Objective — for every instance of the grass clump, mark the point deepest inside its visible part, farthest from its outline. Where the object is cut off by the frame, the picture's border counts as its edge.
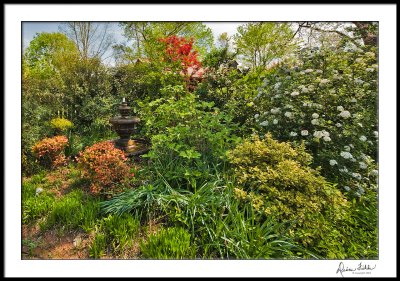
(170, 243)
(114, 235)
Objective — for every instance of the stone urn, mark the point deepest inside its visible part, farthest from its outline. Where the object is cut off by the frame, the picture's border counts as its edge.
(124, 125)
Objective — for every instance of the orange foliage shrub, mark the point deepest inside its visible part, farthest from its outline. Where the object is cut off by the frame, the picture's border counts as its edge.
(50, 151)
(104, 165)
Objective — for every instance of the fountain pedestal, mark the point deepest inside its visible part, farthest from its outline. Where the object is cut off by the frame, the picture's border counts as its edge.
(124, 125)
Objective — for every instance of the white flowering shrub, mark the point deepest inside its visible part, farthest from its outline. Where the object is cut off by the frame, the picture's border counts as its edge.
(329, 101)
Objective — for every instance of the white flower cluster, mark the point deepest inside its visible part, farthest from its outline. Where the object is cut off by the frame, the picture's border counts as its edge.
(345, 114)
(338, 125)
(307, 104)
(370, 55)
(322, 134)
(256, 116)
(289, 114)
(356, 176)
(336, 76)
(319, 71)
(362, 165)
(370, 69)
(363, 138)
(340, 108)
(264, 123)
(303, 89)
(304, 132)
(374, 173)
(346, 148)
(358, 81)
(275, 121)
(295, 93)
(277, 85)
(275, 110)
(353, 100)
(315, 115)
(333, 162)
(324, 82)
(317, 105)
(346, 155)
(344, 170)
(315, 122)
(293, 134)
(308, 70)
(376, 134)
(346, 188)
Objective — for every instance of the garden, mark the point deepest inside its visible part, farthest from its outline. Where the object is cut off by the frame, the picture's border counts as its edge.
(260, 145)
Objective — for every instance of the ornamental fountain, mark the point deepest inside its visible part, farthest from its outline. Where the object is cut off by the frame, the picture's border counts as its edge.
(125, 126)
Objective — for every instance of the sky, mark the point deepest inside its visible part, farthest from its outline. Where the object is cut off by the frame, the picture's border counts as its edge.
(29, 30)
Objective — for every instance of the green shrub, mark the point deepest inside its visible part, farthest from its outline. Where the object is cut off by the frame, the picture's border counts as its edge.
(61, 125)
(187, 137)
(276, 179)
(170, 243)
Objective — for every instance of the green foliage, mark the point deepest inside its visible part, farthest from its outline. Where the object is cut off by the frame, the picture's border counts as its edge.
(142, 81)
(36, 200)
(144, 201)
(233, 92)
(114, 234)
(98, 246)
(46, 51)
(219, 226)
(73, 211)
(170, 243)
(190, 134)
(276, 179)
(261, 43)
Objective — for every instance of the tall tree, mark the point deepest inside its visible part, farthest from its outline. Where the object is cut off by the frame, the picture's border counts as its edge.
(46, 51)
(92, 39)
(358, 34)
(145, 36)
(262, 42)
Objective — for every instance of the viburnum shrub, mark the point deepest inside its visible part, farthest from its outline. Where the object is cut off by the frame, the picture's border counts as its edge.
(105, 166)
(50, 151)
(179, 52)
(329, 100)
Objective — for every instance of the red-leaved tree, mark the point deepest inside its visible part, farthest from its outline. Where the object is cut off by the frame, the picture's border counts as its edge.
(179, 51)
